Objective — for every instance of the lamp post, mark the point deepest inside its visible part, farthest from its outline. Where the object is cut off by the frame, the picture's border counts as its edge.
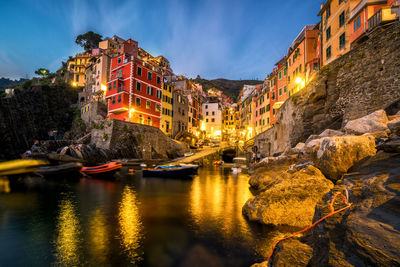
(131, 111)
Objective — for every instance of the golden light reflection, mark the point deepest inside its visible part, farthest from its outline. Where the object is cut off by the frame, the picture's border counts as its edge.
(4, 185)
(68, 235)
(131, 227)
(99, 237)
(219, 200)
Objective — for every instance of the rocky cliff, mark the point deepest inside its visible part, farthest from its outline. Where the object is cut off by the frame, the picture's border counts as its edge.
(31, 113)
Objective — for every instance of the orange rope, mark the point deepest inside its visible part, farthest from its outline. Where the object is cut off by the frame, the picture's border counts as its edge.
(333, 212)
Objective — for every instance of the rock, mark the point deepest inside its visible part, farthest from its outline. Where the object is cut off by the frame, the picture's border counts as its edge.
(299, 148)
(390, 146)
(368, 233)
(394, 126)
(392, 117)
(291, 252)
(290, 199)
(374, 122)
(312, 145)
(377, 135)
(335, 155)
(330, 132)
(312, 137)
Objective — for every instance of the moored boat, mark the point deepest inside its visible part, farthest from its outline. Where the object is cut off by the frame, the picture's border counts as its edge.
(103, 171)
(20, 166)
(175, 172)
(67, 170)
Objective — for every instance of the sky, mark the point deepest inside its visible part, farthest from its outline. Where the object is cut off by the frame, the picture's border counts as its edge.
(212, 38)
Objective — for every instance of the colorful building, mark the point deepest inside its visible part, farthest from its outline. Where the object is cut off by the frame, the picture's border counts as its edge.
(229, 130)
(166, 108)
(368, 14)
(76, 68)
(302, 54)
(180, 112)
(335, 33)
(212, 115)
(134, 90)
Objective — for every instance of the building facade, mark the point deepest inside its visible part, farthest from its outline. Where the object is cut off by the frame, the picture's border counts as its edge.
(212, 115)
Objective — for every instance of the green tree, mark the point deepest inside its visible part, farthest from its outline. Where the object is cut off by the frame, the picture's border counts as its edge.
(42, 72)
(88, 40)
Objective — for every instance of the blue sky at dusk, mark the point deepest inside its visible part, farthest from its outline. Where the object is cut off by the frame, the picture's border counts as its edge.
(215, 39)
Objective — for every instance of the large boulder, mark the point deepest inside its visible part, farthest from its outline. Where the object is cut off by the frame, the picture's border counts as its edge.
(368, 233)
(374, 122)
(334, 156)
(394, 125)
(290, 200)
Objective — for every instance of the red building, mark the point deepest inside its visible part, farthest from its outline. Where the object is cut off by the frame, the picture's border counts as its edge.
(278, 88)
(134, 88)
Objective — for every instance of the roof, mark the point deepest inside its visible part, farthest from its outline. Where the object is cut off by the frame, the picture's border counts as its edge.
(323, 7)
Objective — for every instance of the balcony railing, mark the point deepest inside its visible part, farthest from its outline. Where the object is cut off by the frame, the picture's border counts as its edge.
(383, 15)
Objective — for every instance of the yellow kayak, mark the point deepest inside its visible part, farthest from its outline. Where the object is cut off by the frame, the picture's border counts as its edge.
(20, 166)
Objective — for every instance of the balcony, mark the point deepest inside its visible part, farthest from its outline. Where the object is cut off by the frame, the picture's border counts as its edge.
(359, 7)
(385, 14)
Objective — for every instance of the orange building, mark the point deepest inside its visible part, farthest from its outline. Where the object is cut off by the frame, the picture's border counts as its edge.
(369, 13)
(302, 54)
(335, 33)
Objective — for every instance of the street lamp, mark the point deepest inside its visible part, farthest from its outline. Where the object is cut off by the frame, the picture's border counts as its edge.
(131, 111)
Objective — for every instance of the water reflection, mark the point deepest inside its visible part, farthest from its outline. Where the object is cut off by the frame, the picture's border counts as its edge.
(67, 242)
(131, 227)
(99, 237)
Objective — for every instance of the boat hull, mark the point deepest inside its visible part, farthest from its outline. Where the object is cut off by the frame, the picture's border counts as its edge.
(173, 173)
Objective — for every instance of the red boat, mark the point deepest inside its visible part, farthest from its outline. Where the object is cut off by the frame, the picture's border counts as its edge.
(102, 171)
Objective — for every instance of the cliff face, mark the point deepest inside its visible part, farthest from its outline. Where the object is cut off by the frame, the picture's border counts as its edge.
(358, 83)
(31, 113)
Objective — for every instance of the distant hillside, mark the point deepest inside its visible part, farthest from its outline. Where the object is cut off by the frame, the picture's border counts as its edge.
(5, 82)
(229, 87)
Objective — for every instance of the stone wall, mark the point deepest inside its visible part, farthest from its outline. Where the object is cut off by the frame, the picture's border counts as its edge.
(134, 140)
(362, 81)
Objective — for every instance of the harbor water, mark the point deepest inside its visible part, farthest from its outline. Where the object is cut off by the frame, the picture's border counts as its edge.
(133, 221)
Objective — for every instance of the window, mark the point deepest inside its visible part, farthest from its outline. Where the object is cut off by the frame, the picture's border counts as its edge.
(273, 95)
(148, 105)
(273, 111)
(206, 120)
(206, 106)
(113, 100)
(115, 84)
(268, 107)
(280, 91)
(158, 80)
(149, 76)
(158, 107)
(267, 95)
(213, 113)
(328, 11)
(212, 120)
(280, 75)
(342, 41)
(109, 87)
(285, 89)
(77, 78)
(268, 120)
(149, 90)
(300, 68)
(357, 23)
(165, 87)
(158, 93)
(328, 33)
(119, 60)
(139, 71)
(341, 19)
(328, 52)
(138, 86)
(119, 98)
(284, 71)
(137, 101)
(207, 113)
(149, 121)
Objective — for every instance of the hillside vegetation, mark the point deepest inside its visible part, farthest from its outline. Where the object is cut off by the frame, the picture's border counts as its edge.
(230, 87)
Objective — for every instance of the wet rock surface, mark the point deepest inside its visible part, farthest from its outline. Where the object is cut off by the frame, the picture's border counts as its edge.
(374, 122)
(289, 199)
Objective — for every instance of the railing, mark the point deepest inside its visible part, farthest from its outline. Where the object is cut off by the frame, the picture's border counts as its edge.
(375, 20)
(384, 14)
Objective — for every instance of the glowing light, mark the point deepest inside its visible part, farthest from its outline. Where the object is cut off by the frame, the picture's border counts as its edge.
(217, 133)
(203, 126)
(74, 84)
(298, 80)
(103, 88)
(131, 226)
(68, 232)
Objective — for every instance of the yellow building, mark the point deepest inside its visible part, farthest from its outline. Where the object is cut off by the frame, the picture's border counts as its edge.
(335, 37)
(229, 122)
(166, 108)
(77, 69)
